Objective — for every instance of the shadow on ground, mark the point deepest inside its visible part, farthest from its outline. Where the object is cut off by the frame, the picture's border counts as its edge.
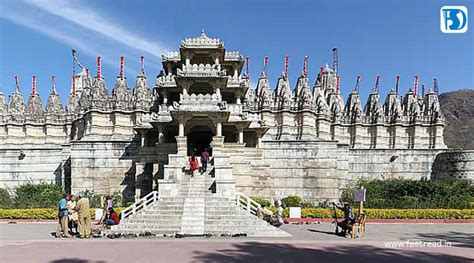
(332, 233)
(457, 239)
(266, 252)
(74, 260)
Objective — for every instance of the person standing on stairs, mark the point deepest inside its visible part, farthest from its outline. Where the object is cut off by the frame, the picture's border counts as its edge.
(193, 164)
(204, 160)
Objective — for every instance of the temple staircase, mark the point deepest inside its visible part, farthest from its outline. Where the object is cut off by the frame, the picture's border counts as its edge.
(195, 211)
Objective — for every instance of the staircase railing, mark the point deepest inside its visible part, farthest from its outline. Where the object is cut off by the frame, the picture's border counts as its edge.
(145, 201)
(248, 203)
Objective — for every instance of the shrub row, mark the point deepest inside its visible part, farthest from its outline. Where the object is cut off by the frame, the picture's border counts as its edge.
(47, 195)
(389, 213)
(413, 194)
(48, 213)
(31, 195)
(37, 213)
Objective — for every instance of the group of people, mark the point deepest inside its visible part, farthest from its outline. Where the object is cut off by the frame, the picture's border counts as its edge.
(194, 163)
(74, 214)
(75, 218)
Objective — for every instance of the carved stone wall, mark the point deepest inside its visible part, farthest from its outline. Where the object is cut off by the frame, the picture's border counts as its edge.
(454, 164)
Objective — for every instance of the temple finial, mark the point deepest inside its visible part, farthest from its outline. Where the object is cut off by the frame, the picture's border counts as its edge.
(203, 33)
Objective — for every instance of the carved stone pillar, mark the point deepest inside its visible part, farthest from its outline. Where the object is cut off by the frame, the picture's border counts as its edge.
(182, 144)
(219, 129)
(181, 129)
(143, 138)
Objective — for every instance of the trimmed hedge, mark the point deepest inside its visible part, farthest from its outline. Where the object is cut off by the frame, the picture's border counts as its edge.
(389, 213)
(413, 194)
(38, 213)
(261, 201)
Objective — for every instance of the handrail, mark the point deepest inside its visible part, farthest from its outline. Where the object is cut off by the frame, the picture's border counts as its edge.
(247, 203)
(145, 201)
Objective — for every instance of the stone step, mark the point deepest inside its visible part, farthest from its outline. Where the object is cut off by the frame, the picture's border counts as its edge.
(160, 217)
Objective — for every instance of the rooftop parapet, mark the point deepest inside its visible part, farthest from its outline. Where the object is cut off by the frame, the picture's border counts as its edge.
(203, 41)
(201, 70)
(233, 56)
(200, 102)
(171, 56)
(165, 81)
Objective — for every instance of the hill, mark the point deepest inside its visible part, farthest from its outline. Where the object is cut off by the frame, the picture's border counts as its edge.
(458, 108)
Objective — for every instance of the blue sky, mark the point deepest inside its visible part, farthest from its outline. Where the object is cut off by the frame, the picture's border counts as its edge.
(373, 37)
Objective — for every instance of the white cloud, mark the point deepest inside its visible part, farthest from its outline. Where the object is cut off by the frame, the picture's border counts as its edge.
(96, 22)
(91, 38)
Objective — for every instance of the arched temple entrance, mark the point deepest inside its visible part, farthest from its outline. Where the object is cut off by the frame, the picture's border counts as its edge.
(199, 135)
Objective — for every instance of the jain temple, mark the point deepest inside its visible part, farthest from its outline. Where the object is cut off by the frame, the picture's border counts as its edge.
(304, 139)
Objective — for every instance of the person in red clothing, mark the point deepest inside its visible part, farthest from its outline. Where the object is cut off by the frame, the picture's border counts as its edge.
(112, 218)
(193, 164)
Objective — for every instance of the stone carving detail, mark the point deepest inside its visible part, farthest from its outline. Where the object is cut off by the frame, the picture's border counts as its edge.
(410, 105)
(16, 108)
(85, 101)
(121, 95)
(99, 95)
(373, 108)
(72, 104)
(54, 105)
(319, 100)
(34, 109)
(283, 92)
(142, 95)
(263, 93)
(163, 80)
(353, 107)
(302, 93)
(3, 106)
(203, 41)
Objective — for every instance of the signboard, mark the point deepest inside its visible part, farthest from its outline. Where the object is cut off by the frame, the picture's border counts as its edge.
(99, 213)
(359, 195)
(295, 212)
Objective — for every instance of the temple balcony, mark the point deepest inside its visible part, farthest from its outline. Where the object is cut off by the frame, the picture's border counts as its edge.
(172, 56)
(201, 70)
(237, 82)
(165, 81)
(235, 109)
(233, 56)
(200, 103)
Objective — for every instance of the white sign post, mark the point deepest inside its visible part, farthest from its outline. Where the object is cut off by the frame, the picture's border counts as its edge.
(359, 196)
(295, 212)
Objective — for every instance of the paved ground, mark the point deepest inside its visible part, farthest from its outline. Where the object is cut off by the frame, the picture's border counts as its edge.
(30, 242)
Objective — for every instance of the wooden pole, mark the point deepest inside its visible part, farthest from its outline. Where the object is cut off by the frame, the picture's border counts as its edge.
(361, 204)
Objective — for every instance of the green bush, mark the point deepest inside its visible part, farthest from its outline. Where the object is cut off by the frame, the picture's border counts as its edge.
(292, 201)
(261, 201)
(5, 199)
(413, 194)
(51, 213)
(42, 195)
(95, 199)
(388, 213)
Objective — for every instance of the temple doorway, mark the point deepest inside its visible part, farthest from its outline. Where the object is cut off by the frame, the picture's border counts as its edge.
(199, 138)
